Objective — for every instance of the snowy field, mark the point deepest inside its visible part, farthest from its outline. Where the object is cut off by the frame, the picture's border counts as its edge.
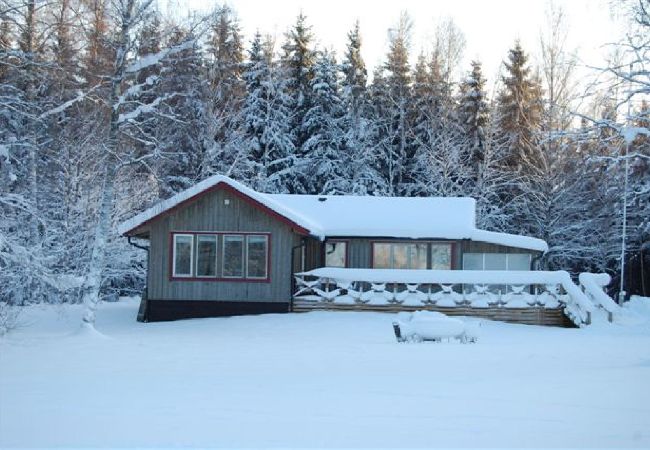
(320, 379)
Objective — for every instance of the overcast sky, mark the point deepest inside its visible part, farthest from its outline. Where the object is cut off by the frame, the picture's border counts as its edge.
(490, 26)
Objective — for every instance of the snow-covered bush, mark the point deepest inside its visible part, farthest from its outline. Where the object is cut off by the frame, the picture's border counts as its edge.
(8, 317)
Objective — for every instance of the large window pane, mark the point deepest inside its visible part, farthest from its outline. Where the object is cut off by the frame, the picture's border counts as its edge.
(183, 255)
(206, 258)
(441, 256)
(256, 256)
(381, 256)
(400, 256)
(418, 259)
(335, 254)
(233, 256)
(495, 261)
(519, 261)
(473, 261)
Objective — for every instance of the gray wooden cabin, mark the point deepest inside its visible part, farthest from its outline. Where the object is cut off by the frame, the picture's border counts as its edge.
(222, 249)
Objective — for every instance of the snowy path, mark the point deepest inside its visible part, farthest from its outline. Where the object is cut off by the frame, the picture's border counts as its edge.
(317, 379)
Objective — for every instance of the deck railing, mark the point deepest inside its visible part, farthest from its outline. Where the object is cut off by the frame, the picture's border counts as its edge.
(446, 288)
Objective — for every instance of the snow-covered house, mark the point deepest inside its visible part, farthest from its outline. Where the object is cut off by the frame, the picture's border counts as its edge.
(221, 248)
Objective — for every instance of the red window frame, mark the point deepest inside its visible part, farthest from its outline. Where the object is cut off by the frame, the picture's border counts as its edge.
(219, 277)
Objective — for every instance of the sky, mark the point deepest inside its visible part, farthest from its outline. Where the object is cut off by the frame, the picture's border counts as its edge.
(490, 27)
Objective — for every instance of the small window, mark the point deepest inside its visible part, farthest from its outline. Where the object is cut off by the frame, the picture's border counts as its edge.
(256, 259)
(233, 256)
(206, 256)
(335, 254)
(183, 250)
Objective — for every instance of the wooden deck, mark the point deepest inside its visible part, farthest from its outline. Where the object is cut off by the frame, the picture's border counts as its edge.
(529, 316)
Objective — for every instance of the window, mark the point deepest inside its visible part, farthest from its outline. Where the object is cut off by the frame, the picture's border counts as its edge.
(381, 255)
(335, 253)
(206, 255)
(398, 255)
(183, 251)
(233, 256)
(473, 261)
(441, 256)
(243, 256)
(256, 256)
(519, 261)
(496, 261)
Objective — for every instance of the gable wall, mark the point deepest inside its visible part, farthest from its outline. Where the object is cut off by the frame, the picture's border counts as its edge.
(209, 213)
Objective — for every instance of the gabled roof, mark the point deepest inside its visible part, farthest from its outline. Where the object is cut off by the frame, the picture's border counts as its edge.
(354, 216)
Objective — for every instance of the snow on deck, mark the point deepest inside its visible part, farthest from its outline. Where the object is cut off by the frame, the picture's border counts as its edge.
(422, 276)
(361, 216)
(321, 379)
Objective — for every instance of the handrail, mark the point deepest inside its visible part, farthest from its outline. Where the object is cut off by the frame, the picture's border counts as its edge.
(349, 284)
(593, 284)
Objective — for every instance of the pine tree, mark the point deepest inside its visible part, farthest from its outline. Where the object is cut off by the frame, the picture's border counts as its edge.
(99, 52)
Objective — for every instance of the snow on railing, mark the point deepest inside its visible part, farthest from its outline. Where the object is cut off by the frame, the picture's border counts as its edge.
(446, 288)
(593, 284)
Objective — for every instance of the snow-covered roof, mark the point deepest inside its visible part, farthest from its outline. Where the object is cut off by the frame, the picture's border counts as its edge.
(359, 216)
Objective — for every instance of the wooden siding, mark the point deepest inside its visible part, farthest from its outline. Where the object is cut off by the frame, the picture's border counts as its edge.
(313, 253)
(360, 253)
(210, 213)
(529, 316)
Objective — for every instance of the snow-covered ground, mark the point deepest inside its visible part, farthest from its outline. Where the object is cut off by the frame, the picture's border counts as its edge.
(318, 379)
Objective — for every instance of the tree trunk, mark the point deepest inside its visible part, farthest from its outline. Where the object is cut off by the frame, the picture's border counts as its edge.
(93, 280)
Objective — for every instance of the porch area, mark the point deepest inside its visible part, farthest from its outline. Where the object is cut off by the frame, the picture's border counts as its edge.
(529, 297)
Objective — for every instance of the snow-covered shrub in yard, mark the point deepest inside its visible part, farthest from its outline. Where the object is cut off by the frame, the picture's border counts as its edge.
(8, 317)
(433, 326)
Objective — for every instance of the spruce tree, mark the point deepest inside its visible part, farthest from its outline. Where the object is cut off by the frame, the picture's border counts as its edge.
(268, 152)
(354, 86)
(225, 92)
(398, 149)
(298, 62)
(359, 155)
(473, 114)
(519, 113)
(324, 162)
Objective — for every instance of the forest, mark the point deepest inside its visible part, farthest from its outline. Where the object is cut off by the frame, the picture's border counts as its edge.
(108, 106)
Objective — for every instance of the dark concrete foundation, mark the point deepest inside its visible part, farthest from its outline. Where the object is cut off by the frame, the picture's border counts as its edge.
(165, 310)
